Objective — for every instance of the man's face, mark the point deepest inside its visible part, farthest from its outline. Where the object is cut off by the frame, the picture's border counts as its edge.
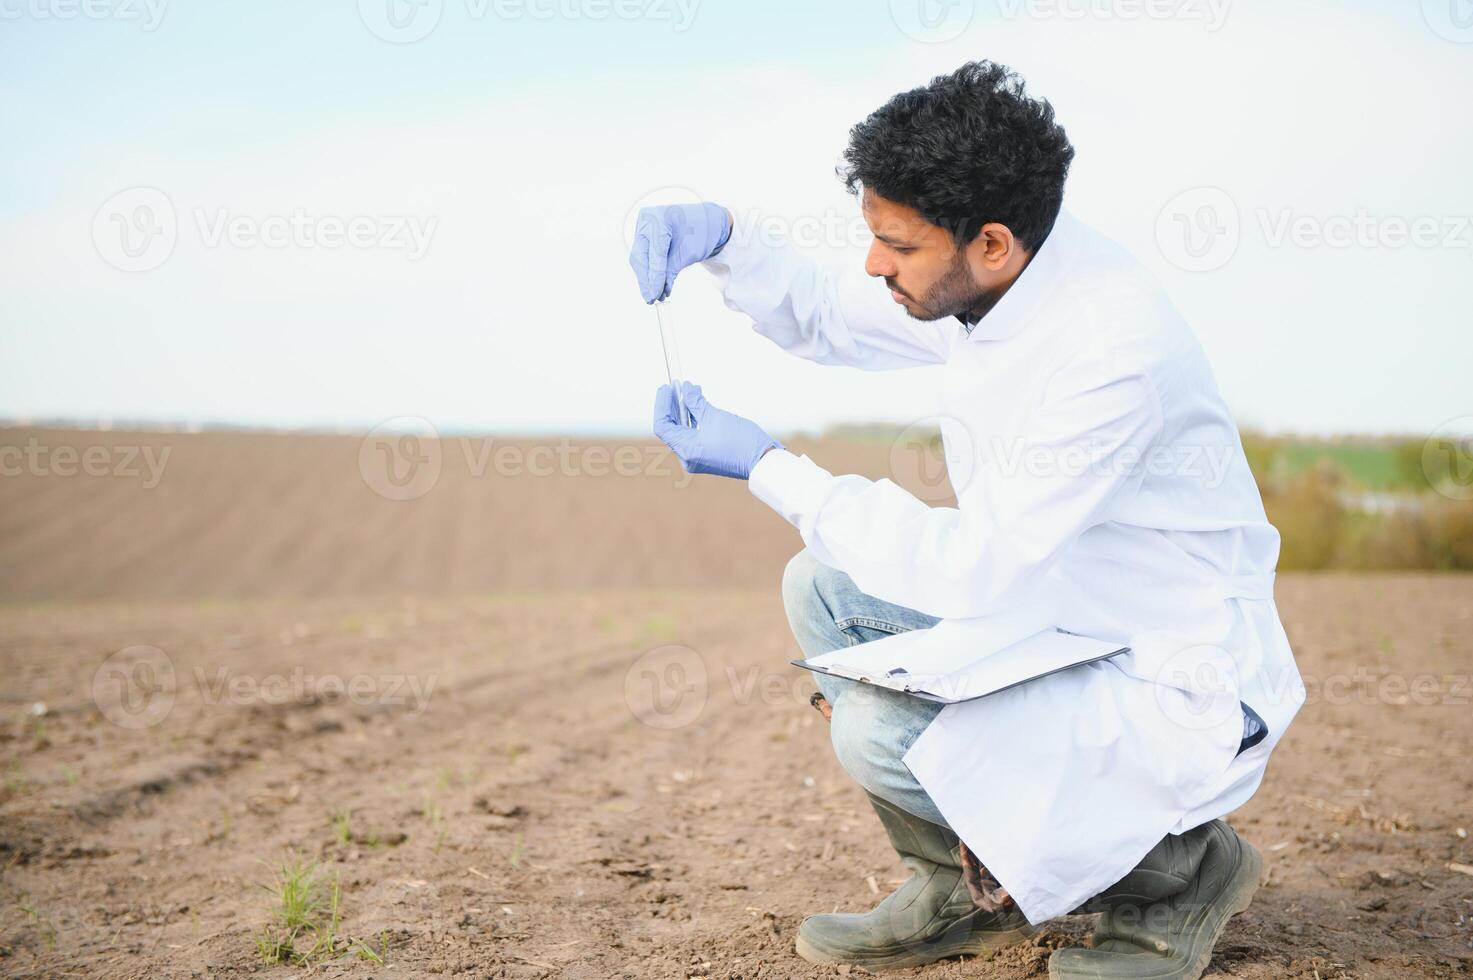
(926, 272)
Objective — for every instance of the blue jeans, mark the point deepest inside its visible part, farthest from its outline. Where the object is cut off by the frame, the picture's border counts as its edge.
(872, 727)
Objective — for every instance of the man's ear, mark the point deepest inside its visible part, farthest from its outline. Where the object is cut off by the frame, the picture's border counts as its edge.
(995, 245)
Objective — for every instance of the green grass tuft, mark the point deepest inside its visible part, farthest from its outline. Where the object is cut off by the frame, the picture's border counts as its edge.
(304, 918)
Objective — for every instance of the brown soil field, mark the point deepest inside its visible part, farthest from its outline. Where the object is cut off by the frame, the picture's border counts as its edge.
(445, 705)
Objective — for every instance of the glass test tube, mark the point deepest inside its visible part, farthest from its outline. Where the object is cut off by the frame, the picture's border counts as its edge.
(672, 357)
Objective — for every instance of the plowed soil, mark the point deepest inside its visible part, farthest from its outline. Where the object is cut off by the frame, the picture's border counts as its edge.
(544, 726)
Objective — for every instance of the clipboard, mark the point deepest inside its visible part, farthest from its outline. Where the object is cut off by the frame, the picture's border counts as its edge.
(1037, 655)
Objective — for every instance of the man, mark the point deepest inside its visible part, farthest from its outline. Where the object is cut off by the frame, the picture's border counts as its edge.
(1101, 487)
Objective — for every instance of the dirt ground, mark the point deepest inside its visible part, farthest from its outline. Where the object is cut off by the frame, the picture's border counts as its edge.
(509, 774)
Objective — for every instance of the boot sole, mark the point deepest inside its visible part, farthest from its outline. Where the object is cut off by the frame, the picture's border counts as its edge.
(981, 947)
(1236, 896)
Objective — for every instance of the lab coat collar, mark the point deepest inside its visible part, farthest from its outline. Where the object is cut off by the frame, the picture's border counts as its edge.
(1033, 288)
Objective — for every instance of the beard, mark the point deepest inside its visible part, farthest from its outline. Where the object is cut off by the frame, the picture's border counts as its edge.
(956, 294)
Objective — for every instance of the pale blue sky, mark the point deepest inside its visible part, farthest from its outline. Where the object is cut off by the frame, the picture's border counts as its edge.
(518, 144)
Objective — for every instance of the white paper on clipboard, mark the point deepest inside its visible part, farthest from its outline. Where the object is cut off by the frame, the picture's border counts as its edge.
(995, 654)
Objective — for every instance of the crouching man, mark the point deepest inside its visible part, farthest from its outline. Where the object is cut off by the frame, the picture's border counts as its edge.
(1101, 487)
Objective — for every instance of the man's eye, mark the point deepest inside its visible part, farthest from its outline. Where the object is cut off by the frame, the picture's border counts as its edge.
(902, 251)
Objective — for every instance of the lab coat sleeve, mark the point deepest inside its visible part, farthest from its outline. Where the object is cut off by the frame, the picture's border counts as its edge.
(822, 315)
(1087, 440)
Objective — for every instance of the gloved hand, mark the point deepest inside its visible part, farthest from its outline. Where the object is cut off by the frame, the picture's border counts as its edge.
(670, 237)
(716, 441)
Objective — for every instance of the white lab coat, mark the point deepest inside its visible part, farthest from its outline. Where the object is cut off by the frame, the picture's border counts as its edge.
(1101, 485)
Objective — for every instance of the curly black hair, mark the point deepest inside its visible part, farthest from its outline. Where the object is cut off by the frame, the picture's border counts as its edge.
(970, 148)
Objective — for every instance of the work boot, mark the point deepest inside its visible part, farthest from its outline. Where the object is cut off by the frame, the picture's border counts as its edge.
(928, 918)
(1162, 920)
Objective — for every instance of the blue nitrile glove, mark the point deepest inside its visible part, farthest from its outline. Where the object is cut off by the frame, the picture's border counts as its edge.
(670, 237)
(716, 441)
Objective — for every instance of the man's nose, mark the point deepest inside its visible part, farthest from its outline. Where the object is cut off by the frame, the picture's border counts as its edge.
(877, 263)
